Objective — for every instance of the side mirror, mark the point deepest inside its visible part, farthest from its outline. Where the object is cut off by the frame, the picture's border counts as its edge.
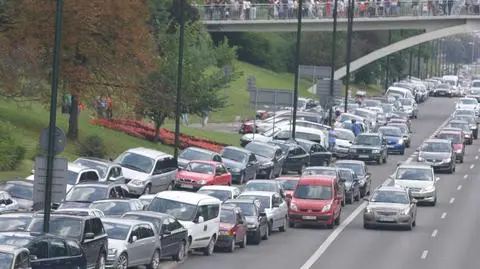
(89, 236)
(33, 257)
(414, 201)
(55, 205)
(263, 214)
(339, 196)
(200, 219)
(134, 239)
(343, 180)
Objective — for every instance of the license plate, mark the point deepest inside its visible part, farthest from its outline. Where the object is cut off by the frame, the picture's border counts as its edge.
(386, 219)
(362, 156)
(309, 217)
(186, 186)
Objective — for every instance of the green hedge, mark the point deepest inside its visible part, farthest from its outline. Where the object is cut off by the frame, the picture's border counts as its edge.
(11, 151)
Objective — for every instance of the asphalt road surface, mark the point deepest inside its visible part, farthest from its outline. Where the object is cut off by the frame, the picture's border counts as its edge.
(446, 236)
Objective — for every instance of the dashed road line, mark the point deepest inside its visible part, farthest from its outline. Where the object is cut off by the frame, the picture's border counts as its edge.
(424, 255)
(459, 187)
(444, 215)
(434, 233)
(476, 157)
(452, 200)
(472, 166)
(465, 176)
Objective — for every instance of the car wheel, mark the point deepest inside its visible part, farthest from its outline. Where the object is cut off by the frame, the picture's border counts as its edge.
(170, 187)
(414, 223)
(211, 246)
(283, 228)
(350, 199)
(122, 261)
(366, 226)
(357, 198)
(243, 244)
(101, 261)
(232, 246)
(147, 189)
(402, 152)
(267, 233)
(155, 262)
(270, 175)
(337, 219)
(258, 237)
(461, 159)
(182, 251)
(343, 202)
(291, 224)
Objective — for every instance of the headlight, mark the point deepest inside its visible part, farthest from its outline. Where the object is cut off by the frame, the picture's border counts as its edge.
(447, 160)
(236, 170)
(293, 207)
(223, 232)
(202, 182)
(428, 189)
(376, 151)
(368, 210)
(252, 225)
(112, 251)
(326, 208)
(405, 212)
(420, 159)
(473, 126)
(137, 182)
(400, 141)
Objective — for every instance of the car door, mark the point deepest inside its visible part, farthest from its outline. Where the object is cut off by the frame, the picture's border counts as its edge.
(319, 155)
(88, 244)
(277, 215)
(39, 253)
(135, 252)
(179, 234)
(200, 236)
(76, 254)
(159, 178)
(58, 254)
(279, 160)
(167, 238)
(149, 242)
(213, 220)
(225, 177)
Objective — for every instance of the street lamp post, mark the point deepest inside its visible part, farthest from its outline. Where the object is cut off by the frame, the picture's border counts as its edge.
(410, 63)
(332, 59)
(387, 65)
(297, 61)
(179, 78)
(418, 60)
(351, 10)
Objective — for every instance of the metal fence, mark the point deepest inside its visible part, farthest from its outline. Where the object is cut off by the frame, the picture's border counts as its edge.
(318, 10)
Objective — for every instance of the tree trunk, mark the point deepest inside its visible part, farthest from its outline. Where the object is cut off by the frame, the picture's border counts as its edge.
(157, 132)
(73, 120)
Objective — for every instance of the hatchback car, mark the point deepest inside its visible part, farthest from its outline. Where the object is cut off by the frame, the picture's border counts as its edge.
(319, 155)
(270, 159)
(82, 195)
(222, 193)
(438, 153)
(265, 185)
(467, 132)
(233, 229)
(361, 171)
(241, 163)
(202, 173)
(21, 191)
(352, 185)
(394, 137)
(457, 140)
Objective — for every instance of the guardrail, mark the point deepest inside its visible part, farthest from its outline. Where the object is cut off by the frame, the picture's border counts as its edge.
(319, 10)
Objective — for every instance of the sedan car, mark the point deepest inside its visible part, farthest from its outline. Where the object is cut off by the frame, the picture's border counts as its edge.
(222, 193)
(7, 203)
(369, 147)
(21, 191)
(82, 195)
(131, 243)
(265, 185)
(297, 157)
(201, 173)
(289, 184)
(471, 121)
(117, 207)
(257, 222)
(419, 179)
(361, 171)
(390, 206)
(241, 163)
(343, 141)
(438, 153)
(409, 106)
(394, 137)
(233, 229)
(319, 155)
(270, 159)
(457, 140)
(197, 154)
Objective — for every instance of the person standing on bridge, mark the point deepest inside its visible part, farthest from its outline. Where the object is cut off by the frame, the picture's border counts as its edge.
(450, 6)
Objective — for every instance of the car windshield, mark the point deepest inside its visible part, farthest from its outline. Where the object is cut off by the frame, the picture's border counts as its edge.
(406, 102)
(356, 167)
(221, 195)
(86, 193)
(467, 101)
(466, 118)
(346, 175)
(14, 223)
(110, 208)
(451, 82)
(227, 216)
(192, 154)
(261, 150)
(476, 84)
(371, 103)
(248, 209)
(261, 186)
(308, 136)
(455, 138)
(71, 178)
(393, 197)
(463, 126)
(345, 117)
(157, 222)
(344, 135)
(414, 174)
(403, 127)
(326, 171)
(368, 140)
(313, 192)
(116, 231)
(436, 147)
(289, 184)
(136, 162)
(10, 239)
(264, 200)
(201, 168)
(390, 131)
(18, 190)
(464, 112)
(181, 211)
(70, 227)
(234, 155)
(101, 168)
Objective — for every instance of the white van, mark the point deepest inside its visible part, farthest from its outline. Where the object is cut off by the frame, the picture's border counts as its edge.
(403, 93)
(452, 80)
(198, 213)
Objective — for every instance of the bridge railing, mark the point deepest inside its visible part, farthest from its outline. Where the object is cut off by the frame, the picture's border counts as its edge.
(319, 10)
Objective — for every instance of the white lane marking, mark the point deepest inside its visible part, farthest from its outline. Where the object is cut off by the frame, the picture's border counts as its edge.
(472, 166)
(478, 150)
(316, 255)
(434, 233)
(444, 215)
(452, 200)
(465, 176)
(476, 157)
(324, 246)
(424, 255)
(459, 187)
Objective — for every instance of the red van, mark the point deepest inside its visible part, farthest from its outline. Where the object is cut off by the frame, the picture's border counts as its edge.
(316, 200)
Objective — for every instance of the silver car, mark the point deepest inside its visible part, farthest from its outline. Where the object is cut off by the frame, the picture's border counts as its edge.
(12, 257)
(390, 206)
(7, 203)
(420, 180)
(131, 243)
(116, 207)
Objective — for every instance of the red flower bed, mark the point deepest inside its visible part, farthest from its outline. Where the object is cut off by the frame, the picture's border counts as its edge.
(146, 131)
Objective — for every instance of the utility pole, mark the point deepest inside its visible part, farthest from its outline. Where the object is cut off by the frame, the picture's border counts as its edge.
(332, 60)
(297, 62)
(410, 63)
(387, 65)
(179, 78)
(418, 59)
(351, 10)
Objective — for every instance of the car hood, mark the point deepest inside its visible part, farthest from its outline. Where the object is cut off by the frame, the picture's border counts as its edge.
(311, 204)
(434, 155)
(119, 245)
(413, 183)
(193, 175)
(465, 106)
(251, 219)
(387, 206)
(343, 143)
(134, 175)
(74, 205)
(231, 164)
(256, 137)
(364, 147)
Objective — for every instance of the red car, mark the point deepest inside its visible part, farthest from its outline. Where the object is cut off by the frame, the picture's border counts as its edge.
(200, 173)
(233, 228)
(458, 142)
(289, 184)
(316, 200)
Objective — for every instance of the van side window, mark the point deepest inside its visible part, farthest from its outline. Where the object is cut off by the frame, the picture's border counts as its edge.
(202, 212)
(212, 212)
(165, 165)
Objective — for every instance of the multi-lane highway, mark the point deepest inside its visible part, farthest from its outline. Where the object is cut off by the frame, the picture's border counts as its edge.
(446, 235)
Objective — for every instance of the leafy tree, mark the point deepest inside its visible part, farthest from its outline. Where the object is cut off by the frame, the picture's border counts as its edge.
(107, 46)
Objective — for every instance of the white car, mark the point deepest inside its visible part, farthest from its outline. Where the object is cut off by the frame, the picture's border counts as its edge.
(220, 192)
(420, 180)
(468, 104)
(343, 141)
(273, 205)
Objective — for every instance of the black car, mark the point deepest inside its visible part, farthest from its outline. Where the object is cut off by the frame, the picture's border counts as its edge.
(361, 171)
(467, 132)
(369, 147)
(257, 223)
(47, 250)
(82, 195)
(297, 158)
(241, 163)
(319, 155)
(352, 185)
(270, 159)
(15, 221)
(438, 153)
(471, 121)
(22, 191)
(88, 230)
(174, 237)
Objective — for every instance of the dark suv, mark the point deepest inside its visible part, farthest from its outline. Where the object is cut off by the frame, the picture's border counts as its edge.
(88, 230)
(369, 147)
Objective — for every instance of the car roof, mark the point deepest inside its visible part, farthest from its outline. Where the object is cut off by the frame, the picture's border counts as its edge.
(98, 160)
(186, 197)
(436, 140)
(391, 188)
(219, 187)
(16, 214)
(77, 168)
(316, 180)
(238, 149)
(321, 167)
(350, 161)
(112, 200)
(258, 193)
(19, 182)
(125, 221)
(96, 184)
(148, 214)
(275, 147)
(368, 134)
(262, 181)
(205, 162)
(287, 178)
(415, 166)
(242, 200)
(151, 153)
(459, 132)
(200, 150)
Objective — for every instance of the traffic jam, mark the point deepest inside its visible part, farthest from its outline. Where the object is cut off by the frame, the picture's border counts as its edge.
(146, 208)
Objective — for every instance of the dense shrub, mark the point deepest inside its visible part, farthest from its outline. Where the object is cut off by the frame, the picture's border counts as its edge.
(92, 146)
(11, 151)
